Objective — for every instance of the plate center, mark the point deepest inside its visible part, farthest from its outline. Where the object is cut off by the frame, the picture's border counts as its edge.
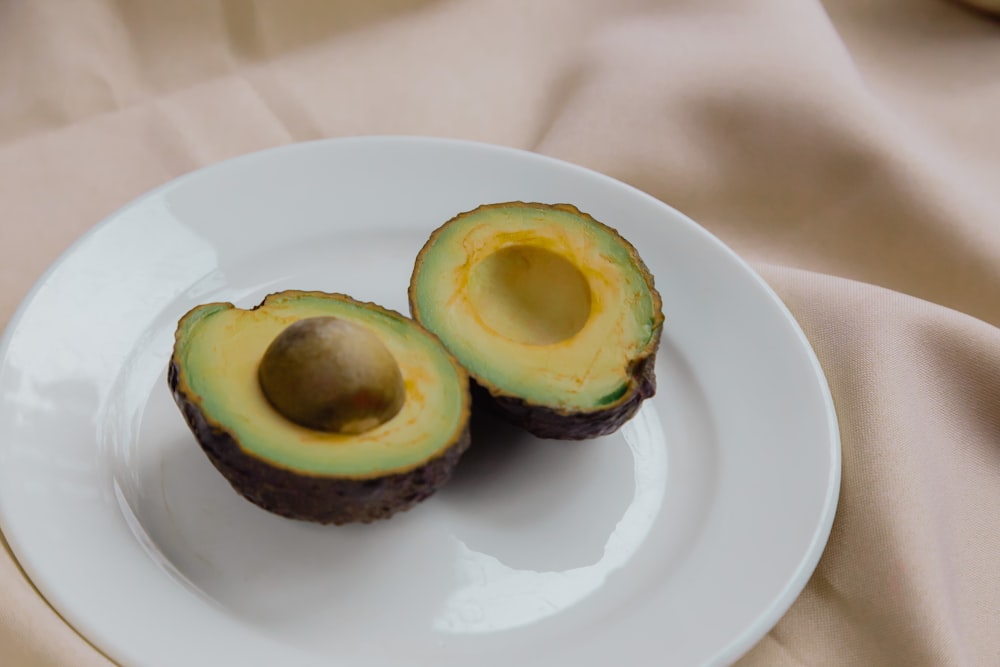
(527, 532)
(525, 529)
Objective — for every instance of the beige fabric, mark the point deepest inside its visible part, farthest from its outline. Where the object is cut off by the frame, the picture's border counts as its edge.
(850, 149)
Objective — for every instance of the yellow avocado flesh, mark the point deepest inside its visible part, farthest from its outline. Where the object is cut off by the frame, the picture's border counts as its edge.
(543, 303)
(220, 348)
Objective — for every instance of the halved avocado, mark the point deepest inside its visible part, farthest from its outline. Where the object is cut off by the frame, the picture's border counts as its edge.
(554, 315)
(304, 472)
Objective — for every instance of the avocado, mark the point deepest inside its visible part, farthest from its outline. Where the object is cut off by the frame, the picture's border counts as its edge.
(318, 407)
(553, 314)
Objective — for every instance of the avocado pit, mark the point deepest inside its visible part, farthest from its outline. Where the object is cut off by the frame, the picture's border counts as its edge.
(329, 374)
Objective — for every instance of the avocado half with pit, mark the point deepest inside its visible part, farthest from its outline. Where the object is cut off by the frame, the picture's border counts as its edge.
(319, 407)
(553, 314)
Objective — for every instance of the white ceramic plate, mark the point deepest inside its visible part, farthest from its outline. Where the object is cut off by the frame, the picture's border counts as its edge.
(681, 540)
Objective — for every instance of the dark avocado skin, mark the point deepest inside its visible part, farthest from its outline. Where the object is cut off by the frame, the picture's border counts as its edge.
(325, 500)
(546, 422)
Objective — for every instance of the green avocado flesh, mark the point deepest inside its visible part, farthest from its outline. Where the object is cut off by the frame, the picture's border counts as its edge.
(217, 354)
(544, 305)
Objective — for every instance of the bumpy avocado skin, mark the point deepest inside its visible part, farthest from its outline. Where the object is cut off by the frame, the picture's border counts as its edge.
(326, 500)
(316, 498)
(544, 421)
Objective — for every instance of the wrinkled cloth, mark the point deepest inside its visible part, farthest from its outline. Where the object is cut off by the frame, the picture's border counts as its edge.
(849, 149)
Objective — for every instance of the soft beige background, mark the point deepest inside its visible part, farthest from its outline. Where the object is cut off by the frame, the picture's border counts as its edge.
(850, 149)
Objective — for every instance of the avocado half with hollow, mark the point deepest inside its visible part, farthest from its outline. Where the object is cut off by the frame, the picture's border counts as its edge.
(398, 452)
(553, 314)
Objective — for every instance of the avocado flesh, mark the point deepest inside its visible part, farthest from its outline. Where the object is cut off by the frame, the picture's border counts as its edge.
(554, 315)
(298, 471)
